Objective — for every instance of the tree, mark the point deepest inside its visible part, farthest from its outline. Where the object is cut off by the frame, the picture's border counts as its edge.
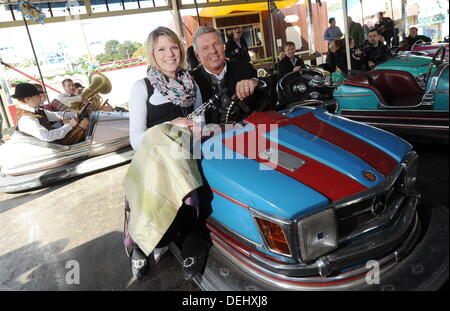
(114, 50)
(141, 52)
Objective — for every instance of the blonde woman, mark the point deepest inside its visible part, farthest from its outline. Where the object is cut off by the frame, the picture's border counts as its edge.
(167, 94)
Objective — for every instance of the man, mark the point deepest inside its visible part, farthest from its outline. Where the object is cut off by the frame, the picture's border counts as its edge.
(215, 74)
(375, 52)
(69, 97)
(290, 61)
(356, 31)
(333, 32)
(78, 88)
(38, 122)
(385, 26)
(236, 48)
(413, 37)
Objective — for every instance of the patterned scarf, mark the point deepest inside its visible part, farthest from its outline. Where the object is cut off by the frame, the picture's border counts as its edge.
(180, 91)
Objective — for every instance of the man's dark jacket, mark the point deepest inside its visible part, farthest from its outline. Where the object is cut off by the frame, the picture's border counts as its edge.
(412, 40)
(285, 66)
(236, 71)
(230, 50)
(378, 54)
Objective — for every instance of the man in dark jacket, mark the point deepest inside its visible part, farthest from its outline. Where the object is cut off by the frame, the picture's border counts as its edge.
(290, 62)
(375, 51)
(414, 37)
(385, 26)
(215, 74)
(236, 48)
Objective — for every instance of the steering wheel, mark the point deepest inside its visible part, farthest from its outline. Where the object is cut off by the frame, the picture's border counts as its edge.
(435, 61)
(238, 109)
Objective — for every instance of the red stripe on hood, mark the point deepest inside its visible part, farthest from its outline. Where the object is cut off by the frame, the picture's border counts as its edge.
(378, 159)
(320, 177)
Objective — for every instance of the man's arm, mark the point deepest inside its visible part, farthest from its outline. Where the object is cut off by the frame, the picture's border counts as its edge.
(32, 127)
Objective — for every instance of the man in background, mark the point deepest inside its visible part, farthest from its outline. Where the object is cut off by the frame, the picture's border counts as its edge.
(236, 48)
(333, 32)
(356, 32)
(375, 52)
(290, 62)
(385, 26)
(414, 37)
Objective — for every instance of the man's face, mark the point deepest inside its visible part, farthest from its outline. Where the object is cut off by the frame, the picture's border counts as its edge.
(69, 87)
(211, 52)
(413, 32)
(289, 51)
(237, 33)
(380, 16)
(373, 37)
(333, 23)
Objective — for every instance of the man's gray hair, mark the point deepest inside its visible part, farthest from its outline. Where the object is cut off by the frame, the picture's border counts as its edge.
(201, 31)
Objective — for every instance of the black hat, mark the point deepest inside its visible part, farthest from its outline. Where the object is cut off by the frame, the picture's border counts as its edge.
(25, 90)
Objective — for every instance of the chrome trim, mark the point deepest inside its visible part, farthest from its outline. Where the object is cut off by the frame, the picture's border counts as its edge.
(428, 98)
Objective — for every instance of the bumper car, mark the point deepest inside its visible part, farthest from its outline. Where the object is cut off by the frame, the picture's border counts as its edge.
(27, 162)
(413, 107)
(429, 48)
(394, 100)
(306, 200)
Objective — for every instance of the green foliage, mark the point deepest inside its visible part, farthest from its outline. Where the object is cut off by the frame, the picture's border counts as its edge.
(114, 51)
(140, 52)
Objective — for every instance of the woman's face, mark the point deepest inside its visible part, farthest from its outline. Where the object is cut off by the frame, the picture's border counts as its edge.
(167, 55)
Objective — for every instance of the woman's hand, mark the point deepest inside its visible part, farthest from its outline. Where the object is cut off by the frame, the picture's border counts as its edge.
(182, 122)
(191, 125)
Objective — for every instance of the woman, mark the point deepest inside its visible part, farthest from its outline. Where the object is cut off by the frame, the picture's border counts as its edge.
(167, 94)
(337, 58)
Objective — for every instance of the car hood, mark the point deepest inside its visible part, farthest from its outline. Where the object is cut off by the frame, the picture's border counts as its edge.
(405, 62)
(303, 162)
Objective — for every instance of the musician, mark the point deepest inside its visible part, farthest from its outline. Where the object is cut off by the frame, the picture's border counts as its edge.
(166, 95)
(216, 74)
(38, 122)
(69, 98)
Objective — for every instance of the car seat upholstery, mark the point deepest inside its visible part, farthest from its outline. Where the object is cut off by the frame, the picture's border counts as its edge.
(393, 87)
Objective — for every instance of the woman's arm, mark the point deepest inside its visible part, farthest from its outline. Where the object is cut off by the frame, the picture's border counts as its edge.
(138, 112)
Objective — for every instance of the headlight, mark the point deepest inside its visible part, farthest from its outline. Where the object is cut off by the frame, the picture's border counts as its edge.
(411, 165)
(318, 235)
(299, 88)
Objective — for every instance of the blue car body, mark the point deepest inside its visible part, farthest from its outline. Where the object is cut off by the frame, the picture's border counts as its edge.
(311, 170)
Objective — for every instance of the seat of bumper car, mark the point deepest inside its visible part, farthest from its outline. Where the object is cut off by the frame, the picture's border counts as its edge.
(393, 87)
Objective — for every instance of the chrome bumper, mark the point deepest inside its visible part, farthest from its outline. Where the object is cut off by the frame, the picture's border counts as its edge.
(409, 258)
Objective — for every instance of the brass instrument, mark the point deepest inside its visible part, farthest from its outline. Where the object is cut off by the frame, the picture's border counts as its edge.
(98, 83)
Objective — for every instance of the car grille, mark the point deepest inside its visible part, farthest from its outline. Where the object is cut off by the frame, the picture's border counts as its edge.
(355, 217)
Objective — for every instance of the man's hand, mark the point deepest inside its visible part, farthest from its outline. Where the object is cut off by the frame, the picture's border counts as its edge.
(73, 122)
(182, 122)
(245, 88)
(84, 123)
(237, 50)
(297, 68)
(371, 63)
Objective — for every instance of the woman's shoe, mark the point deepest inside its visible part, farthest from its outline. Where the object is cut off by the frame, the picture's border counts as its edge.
(139, 263)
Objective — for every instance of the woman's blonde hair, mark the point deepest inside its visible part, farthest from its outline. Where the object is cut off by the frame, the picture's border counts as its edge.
(152, 40)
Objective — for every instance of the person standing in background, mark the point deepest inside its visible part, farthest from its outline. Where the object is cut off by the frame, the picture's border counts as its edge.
(355, 31)
(236, 48)
(414, 37)
(333, 32)
(385, 26)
